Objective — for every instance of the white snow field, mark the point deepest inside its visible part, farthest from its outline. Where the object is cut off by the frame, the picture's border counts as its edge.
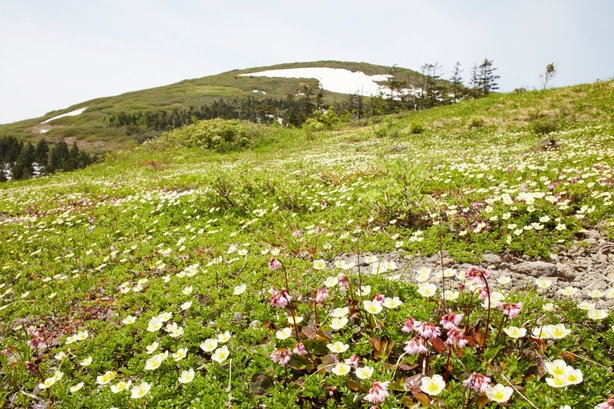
(71, 113)
(333, 79)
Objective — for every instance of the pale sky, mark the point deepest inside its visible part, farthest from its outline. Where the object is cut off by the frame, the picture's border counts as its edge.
(57, 53)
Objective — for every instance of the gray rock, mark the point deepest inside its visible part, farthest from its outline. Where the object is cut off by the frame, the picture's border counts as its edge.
(491, 258)
(536, 268)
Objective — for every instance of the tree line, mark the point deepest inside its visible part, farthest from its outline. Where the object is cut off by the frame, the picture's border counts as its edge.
(19, 160)
(406, 92)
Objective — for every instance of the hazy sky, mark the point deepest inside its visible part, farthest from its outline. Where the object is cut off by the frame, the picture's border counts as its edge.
(58, 53)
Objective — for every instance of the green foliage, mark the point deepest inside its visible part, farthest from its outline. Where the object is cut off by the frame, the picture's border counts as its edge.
(168, 246)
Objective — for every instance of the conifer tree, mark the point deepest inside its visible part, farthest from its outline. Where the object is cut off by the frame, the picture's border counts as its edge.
(487, 80)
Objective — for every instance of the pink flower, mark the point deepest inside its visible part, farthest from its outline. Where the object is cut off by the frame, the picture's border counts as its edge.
(379, 298)
(416, 345)
(477, 382)
(456, 337)
(477, 275)
(274, 264)
(321, 294)
(299, 349)
(428, 330)
(410, 325)
(378, 392)
(609, 404)
(512, 310)
(279, 299)
(281, 356)
(344, 282)
(451, 320)
(353, 361)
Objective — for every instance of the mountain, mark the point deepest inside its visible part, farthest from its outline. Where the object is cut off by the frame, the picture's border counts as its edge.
(125, 120)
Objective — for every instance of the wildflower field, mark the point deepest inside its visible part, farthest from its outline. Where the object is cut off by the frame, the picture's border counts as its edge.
(175, 276)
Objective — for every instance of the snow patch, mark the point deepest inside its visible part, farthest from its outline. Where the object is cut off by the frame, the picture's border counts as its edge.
(43, 131)
(72, 113)
(333, 79)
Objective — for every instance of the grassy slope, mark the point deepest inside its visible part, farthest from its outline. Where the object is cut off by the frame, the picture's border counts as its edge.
(86, 236)
(89, 128)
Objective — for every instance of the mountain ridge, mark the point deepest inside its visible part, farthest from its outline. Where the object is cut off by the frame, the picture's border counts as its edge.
(90, 130)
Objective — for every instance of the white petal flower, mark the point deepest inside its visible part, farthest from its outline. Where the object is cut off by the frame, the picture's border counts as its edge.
(364, 372)
(432, 385)
(186, 376)
(220, 354)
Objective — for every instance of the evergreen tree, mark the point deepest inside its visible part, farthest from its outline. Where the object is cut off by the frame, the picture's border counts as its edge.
(22, 168)
(58, 158)
(487, 80)
(457, 82)
(41, 153)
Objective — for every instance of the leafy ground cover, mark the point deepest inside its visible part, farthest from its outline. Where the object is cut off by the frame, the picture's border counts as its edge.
(178, 276)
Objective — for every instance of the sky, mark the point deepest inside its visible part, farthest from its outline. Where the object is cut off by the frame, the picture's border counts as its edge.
(55, 54)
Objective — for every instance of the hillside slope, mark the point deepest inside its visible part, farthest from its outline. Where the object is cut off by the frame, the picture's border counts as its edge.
(229, 263)
(92, 131)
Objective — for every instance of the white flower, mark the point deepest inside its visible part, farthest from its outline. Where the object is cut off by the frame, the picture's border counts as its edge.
(140, 390)
(130, 319)
(340, 312)
(284, 333)
(165, 316)
(185, 305)
(154, 324)
(220, 354)
(106, 377)
(515, 332)
(319, 264)
(542, 332)
(568, 291)
(86, 362)
(543, 283)
(558, 367)
(451, 295)
(180, 354)
(363, 290)
(595, 294)
(372, 307)
(341, 369)
(120, 386)
(224, 336)
(392, 302)
(187, 290)
(331, 282)
(596, 315)
(503, 280)
(586, 306)
(150, 349)
(423, 274)
(558, 331)
(432, 385)
(499, 393)
(76, 387)
(427, 289)
(364, 372)
(548, 307)
(155, 361)
(209, 345)
(573, 376)
(240, 289)
(338, 323)
(186, 376)
(337, 347)
(294, 320)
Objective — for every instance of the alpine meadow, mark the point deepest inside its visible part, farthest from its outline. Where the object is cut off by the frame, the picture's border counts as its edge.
(267, 243)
